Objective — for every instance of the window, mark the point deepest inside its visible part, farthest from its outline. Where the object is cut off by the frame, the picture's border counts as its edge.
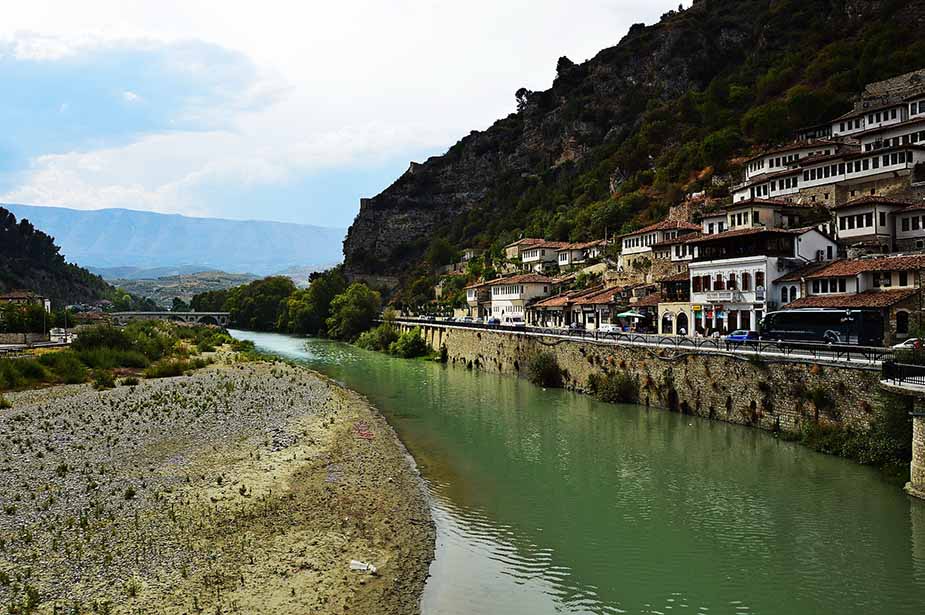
(842, 284)
(904, 278)
(695, 284)
(759, 279)
(784, 295)
(719, 284)
(823, 286)
(868, 219)
(905, 224)
(815, 287)
(915, 223)
(828, 252)
(841, 168)
(850, 222)
(746, 281)
(842, 224)
(731, 282)
(902, 323)
(882, 218)
(755, 218)
(892, 114)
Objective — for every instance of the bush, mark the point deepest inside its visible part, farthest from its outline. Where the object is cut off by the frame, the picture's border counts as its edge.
(109, 358)
(66, 366)
(353, 312)
(103, 379)
(619, 388)
(167, 368)
(379, 338)
(543, 370)
(4, 404)
(131, 381)
(410, 344)
(102, 336)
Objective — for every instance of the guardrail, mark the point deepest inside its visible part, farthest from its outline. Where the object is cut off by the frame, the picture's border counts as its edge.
(760, 348)
(903, 373)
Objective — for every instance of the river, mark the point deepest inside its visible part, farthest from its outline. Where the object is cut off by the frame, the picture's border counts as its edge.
(548, 502)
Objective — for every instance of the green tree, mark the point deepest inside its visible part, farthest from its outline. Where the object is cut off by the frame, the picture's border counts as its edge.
(179, 305)
(307, 311)
(353, 311)
(258, 305)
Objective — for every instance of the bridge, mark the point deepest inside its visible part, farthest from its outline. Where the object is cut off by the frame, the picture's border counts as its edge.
(202, 318)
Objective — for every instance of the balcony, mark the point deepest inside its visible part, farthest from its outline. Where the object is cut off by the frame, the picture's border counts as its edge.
(725, 296)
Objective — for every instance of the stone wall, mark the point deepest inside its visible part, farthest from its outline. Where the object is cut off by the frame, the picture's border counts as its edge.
(22, 338)
(770, 395)
(916, 484)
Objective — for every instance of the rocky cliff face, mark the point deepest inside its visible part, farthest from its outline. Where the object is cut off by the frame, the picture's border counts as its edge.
(590, 106)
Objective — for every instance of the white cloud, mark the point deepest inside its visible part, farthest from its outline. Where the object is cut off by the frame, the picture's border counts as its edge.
(335, 86)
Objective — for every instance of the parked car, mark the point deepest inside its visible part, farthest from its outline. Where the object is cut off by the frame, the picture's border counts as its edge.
(479, 321)
(467, 319)
(609, 328)
(515, 322)
(913, 343)
(494, 321)
(576, 326)
(742, 336)
(430, 318)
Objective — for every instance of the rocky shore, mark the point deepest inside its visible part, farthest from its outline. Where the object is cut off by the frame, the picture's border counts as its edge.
(243, 488)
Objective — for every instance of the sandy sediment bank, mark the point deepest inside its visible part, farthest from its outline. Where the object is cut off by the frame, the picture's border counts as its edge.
(244, 488)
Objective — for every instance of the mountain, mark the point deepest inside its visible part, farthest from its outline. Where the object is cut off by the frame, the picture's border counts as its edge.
(620, 138)
(29, 259)
(147, 273)
(128, 238)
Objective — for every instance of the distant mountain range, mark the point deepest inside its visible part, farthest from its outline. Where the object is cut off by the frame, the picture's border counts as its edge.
(164, 289)
(120, 238)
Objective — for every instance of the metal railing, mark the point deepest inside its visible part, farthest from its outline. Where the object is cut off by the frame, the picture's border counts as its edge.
(903, 373)
(845, 353)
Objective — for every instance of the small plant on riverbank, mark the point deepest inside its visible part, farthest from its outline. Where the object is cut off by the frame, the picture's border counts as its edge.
(103, 379)
(615, 388)
(410, 344)
(4, 404)
(543, 370)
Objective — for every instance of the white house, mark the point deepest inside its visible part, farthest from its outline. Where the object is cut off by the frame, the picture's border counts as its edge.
(732, 272)
(638, 244)
(510, 296)
(578, 254)
(540, 257)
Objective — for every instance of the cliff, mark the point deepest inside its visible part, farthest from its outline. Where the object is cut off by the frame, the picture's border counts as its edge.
(618, 139)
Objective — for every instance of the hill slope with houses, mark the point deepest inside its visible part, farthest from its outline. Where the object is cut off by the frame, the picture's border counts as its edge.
(675, 109)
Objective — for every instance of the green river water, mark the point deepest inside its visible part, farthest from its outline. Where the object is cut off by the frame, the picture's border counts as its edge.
(547, 502)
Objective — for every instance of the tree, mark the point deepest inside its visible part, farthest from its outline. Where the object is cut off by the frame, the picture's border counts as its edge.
(258, 305)
(307, 311)
(440, 253)
(179, 305)
(353, 312)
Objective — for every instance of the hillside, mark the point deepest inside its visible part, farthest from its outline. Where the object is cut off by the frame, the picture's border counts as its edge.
(164, 289)
(620, 138)
(125, 238)
(29, 259)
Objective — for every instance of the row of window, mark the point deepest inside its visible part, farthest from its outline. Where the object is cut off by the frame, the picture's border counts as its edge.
(741, 219)
(884, 279)
(717, 227)
(643, 240)
(858, 166)
(907, 139)
(509, 289)
(915, 222)
(829, 285)
(732, 281)
(882, 116)
(865, 220)
(855, 124)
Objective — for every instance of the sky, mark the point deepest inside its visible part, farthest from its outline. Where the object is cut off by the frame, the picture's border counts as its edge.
(286, 111)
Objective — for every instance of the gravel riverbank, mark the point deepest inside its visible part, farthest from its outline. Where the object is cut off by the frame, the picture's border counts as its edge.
(243, 488)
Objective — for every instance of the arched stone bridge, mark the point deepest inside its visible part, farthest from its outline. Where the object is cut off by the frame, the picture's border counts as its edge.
(202, 318)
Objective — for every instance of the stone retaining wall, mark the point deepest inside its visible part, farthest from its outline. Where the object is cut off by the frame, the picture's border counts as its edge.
(774, 395)
(22, 338)
(916, 484)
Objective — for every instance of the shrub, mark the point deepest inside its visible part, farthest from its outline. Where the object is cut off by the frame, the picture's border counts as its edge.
(379, 338)
(102, 336)
(352, 312)
(103, 379)
(109, 358)
(4, 403)
(131, 381)
(543, 370)
(66, 367)
(167, 368)
(618, 388)
(410, 344)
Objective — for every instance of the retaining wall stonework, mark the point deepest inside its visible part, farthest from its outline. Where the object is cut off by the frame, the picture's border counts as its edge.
(767, 394)
(916, 484)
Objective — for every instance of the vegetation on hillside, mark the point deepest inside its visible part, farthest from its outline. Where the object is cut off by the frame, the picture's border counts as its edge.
(156, 348)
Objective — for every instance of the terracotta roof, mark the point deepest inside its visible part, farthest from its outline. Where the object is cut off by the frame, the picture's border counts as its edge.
(525, 278)
(677, 240)
(568, 297)
(597, 297)
(678, 277)
(583, 246)
(795, 145)
(649, 300)
(844, 267)
(764, 202)
(799, 274)
(751, 230)
(872, 200)
(552, 245)
(867, 299)
(524, 241)
(664, 225)
(19, 294)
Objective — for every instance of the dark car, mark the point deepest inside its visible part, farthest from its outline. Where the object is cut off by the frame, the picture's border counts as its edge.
(494, 321)
(742, 337)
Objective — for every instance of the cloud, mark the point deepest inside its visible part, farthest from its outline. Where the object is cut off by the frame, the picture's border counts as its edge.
(287, 111)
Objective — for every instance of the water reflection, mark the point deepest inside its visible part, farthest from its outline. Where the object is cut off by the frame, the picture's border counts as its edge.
(548, 502)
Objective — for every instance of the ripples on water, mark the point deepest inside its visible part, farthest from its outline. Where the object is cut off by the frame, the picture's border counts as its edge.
(548, 502)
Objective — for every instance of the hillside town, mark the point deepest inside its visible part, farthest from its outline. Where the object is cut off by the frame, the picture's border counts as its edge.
(826, 233)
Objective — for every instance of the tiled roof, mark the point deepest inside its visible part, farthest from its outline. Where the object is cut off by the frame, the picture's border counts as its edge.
(650, 300)
(552, 245)
(872, 200)
(764, 202)
(678, 277)
(525, 278)
(799, 274)
(582, 246)
(597, 297)
(524, 242)
(677, 240)
(746, 232)
(867, 299)
(567, 298)
(664, 225)
(18, 294)
(844, 267)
